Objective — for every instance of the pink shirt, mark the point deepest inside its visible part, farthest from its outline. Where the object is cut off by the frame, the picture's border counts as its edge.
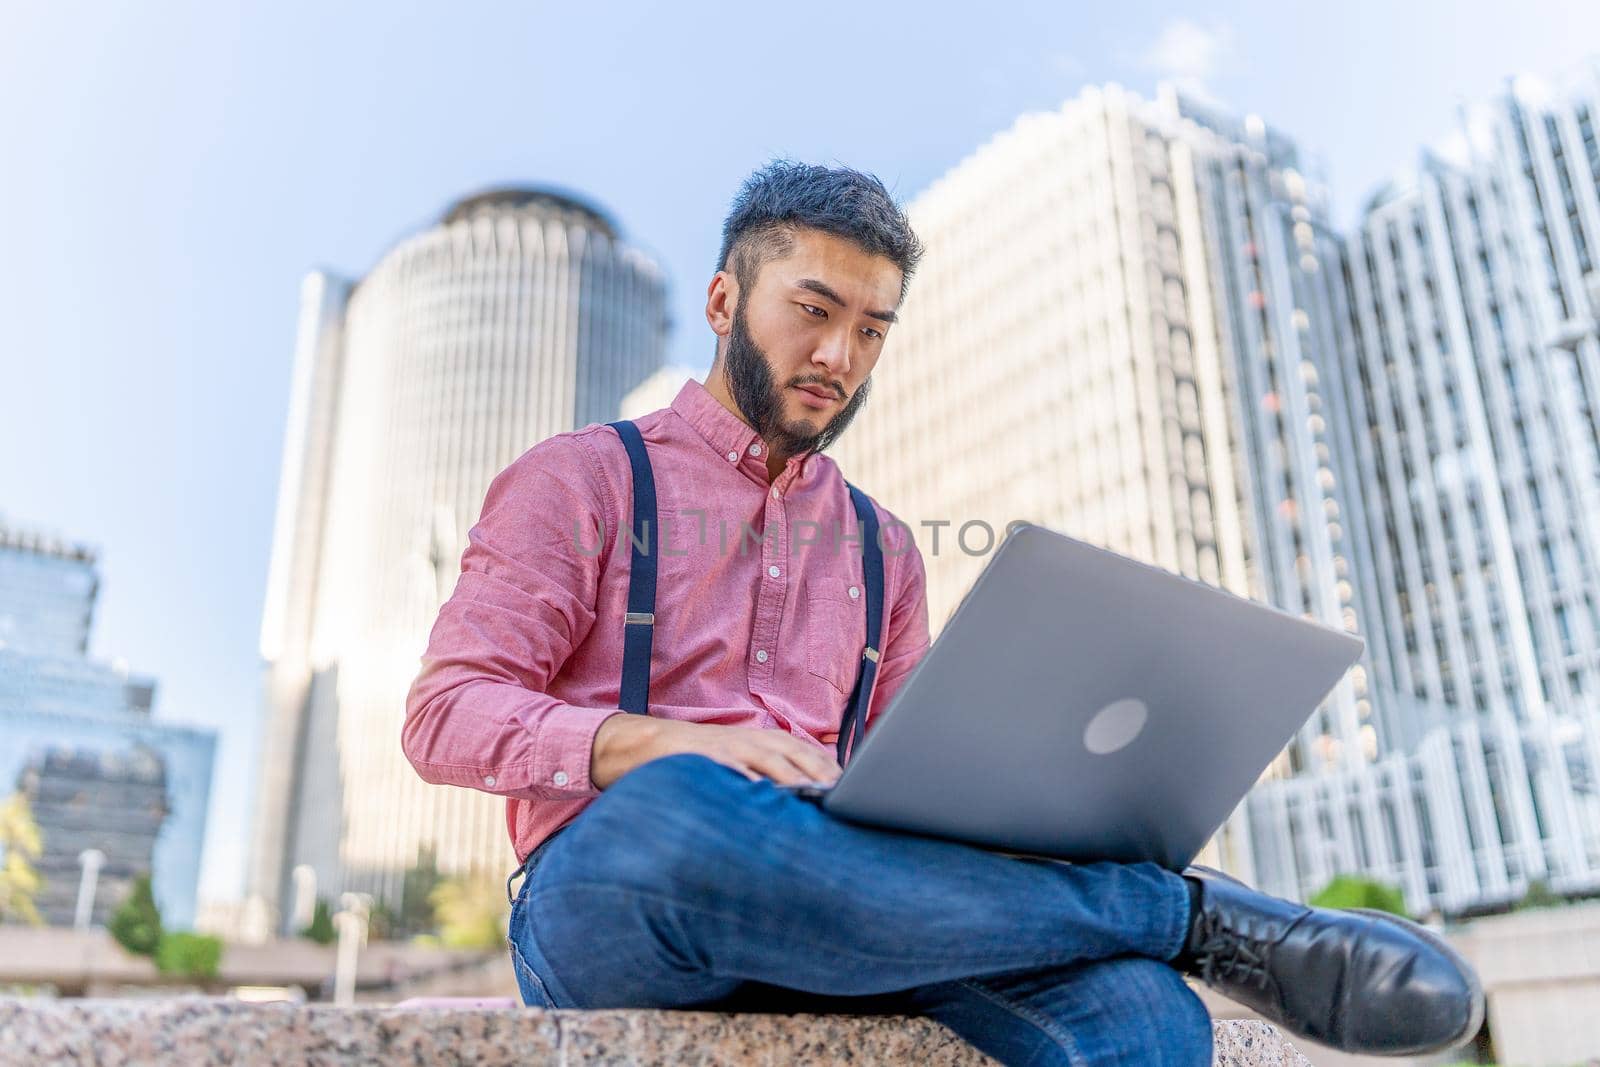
(525, 660)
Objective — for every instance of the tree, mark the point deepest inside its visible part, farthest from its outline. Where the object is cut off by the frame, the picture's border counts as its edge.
(1354, 891)
(321, 929)
(188, 954)
(470, 912)
(20, 844)
(136, 924)
(416, 905)
(381, 921)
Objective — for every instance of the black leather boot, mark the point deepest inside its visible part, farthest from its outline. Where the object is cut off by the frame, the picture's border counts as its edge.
(1357, 980)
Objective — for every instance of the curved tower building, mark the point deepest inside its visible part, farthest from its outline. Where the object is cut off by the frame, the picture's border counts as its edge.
(521, 314)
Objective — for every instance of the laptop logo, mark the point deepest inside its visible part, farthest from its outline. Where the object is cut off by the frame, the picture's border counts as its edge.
(1115, 726)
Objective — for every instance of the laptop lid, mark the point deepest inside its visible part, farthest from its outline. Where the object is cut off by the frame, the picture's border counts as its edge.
(1083, 705)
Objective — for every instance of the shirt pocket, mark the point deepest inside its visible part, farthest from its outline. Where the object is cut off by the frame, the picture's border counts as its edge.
(836, 631)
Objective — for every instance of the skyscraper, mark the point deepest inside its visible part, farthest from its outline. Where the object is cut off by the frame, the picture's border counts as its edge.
(1113, 334)
(523, 313)
(1473, 366)
(81, 747)
(1136, 324)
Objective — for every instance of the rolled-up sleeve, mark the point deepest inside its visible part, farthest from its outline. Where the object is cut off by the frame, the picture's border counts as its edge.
(907, 625)
(478, 714)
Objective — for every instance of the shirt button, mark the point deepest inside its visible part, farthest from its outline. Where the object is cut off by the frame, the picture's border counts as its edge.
(733, 457)
(854, 592)
(772, 571)
(774, 492)
(761, 655)
(755, 450)
(488, 779)
(559, 778)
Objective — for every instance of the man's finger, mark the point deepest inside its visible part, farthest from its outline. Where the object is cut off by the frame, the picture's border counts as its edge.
(809, 769)
(818, 766)
(780, 768)
(740, 765)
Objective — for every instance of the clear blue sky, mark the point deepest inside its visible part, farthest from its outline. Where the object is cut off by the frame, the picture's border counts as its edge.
(169, 172)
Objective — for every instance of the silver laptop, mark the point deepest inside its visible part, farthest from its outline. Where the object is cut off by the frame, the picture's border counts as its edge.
(1084, 706)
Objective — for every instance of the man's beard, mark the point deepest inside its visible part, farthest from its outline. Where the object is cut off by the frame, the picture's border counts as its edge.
(761, 399)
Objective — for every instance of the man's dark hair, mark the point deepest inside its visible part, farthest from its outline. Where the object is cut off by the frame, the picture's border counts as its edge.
(836, 200)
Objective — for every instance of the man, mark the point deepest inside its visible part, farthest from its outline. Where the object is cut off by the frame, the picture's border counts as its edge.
(663, 866)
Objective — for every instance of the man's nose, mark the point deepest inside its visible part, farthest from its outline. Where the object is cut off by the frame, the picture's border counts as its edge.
(835, 356)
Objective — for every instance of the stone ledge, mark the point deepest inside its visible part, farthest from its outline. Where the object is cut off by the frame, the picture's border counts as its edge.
(199, 1031)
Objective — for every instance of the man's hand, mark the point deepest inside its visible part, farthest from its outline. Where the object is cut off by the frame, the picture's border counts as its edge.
(624, 741)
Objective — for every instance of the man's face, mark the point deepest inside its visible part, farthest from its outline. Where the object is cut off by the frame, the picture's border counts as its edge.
(804, 338)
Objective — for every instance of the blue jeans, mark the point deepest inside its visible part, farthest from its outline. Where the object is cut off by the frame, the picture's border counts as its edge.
(686, 885)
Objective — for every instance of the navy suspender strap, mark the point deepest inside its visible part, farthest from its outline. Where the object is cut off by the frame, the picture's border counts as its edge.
(855, 710)
(639, 626)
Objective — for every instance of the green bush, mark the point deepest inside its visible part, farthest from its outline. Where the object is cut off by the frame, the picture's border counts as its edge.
(136, 924)
(192, 955)
(321, 929)
(470, 912)
(1353, 891)
(1539, 895)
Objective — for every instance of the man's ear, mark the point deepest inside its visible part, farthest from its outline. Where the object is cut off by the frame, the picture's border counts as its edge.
(722, 297)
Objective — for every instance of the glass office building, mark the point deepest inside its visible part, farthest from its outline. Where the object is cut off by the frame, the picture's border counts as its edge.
(81, 746)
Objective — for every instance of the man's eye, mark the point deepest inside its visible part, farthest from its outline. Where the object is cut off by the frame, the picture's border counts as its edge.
(870, 332)
(818, 312)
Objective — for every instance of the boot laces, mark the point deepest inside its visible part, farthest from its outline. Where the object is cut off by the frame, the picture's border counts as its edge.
(1226, 955)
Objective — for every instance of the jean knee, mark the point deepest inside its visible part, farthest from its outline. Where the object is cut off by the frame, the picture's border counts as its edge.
(646, 826)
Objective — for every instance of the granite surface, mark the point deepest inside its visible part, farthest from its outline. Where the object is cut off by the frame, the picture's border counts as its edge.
(203, 1031)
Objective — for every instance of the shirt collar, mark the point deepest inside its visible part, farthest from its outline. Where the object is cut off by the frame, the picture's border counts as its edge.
(724, 431)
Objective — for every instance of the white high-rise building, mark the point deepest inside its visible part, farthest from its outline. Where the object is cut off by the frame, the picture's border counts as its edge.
(522, 314)
(1473, 364)
(1135, 324)
(657, 391)
(1116, 332)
